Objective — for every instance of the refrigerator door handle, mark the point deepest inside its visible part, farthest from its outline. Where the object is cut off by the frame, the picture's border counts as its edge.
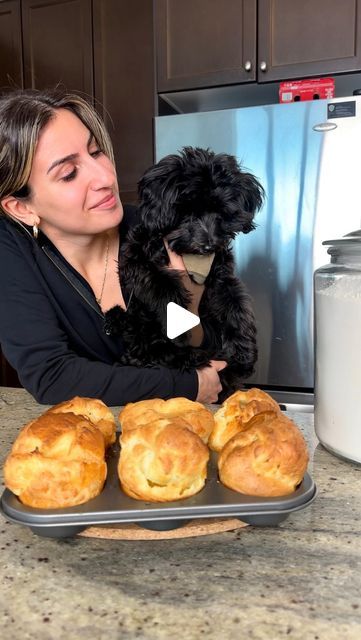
(325, 126)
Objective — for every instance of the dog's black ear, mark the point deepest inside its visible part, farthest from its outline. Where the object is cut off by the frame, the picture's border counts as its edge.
(251, 196)
(158, 192)
(238, 194)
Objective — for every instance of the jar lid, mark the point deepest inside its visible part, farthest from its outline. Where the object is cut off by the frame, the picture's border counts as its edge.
(350, 239)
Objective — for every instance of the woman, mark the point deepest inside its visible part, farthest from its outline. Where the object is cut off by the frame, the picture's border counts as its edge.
(61, 227)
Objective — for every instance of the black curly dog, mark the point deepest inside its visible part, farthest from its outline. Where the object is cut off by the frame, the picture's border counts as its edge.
(198, 201)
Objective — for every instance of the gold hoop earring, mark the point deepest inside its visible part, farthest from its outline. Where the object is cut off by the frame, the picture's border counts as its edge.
(35, 231)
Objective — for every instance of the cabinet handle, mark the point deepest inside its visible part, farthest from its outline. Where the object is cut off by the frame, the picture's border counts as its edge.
(248, 65)
(263, 66)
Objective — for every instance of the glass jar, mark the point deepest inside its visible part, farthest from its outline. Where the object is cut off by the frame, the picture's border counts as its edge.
(337, 291)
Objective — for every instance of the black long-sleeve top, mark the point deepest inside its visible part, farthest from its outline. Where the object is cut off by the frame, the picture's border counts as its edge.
(52, 329)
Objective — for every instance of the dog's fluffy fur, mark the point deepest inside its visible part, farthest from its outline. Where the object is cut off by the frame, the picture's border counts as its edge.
(198, 201)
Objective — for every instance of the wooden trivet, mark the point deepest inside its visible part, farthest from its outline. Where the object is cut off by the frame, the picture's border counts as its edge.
(192, 529)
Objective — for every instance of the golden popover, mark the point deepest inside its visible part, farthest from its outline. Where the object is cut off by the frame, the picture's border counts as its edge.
(268, 458)
(193, 414)
(95, 410)
(235, 412)
(162, 461)
(56, 461)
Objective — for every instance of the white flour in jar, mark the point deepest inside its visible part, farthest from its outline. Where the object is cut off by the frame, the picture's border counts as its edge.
(338, 367)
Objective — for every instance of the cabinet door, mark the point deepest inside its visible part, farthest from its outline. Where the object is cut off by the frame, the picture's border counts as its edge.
(308, 37)
(11, 71)
(57, 39)
(204, 43)
(124, 84)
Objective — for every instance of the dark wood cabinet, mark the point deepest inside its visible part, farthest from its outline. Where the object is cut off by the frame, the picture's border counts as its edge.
(300, 39)
(46, 42)
(102, 49)
(57, 44)
(206, 43)
(125, 85)
(11, 66)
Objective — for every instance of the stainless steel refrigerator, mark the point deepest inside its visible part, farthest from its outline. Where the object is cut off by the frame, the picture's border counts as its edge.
(307, 155)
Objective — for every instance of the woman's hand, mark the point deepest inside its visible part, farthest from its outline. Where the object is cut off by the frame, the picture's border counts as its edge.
(196, 290)
(209, 384)
(175, 260)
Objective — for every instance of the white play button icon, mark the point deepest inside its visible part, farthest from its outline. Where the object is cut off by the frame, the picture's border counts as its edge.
(179, 320)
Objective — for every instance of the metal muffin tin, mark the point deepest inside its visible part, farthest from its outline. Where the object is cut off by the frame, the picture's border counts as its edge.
(112, 506)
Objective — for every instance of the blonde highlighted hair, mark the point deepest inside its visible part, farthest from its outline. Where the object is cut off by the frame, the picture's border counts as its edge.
(23, 115)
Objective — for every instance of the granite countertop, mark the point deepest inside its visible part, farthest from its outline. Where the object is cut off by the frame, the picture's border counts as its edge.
(300, 580)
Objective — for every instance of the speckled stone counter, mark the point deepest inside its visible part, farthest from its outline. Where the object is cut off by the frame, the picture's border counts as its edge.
(300, 580)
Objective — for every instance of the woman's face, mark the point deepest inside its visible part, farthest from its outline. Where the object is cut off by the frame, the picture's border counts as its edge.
(74, 188)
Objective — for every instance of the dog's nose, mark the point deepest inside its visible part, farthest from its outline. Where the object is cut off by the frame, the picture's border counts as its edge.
(208, 248)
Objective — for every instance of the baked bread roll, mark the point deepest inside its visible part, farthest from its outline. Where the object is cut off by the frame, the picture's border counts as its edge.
(56, 461)
(162, 461)
(269, 458)
(193, 414)
(93, 409)
(235, 412)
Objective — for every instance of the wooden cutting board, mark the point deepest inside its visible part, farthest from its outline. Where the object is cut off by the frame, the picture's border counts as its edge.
(198, 527)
